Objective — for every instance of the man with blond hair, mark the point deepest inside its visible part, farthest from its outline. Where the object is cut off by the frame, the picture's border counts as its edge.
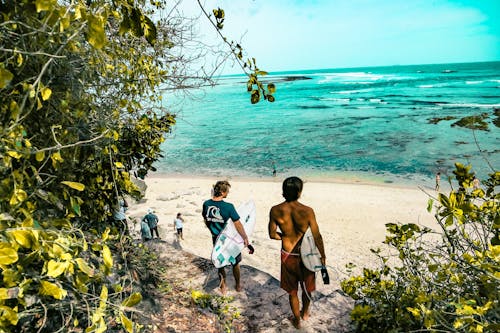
(216, 212)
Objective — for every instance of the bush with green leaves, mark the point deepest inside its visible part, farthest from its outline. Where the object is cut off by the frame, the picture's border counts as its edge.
(444, 280)
(81, 85)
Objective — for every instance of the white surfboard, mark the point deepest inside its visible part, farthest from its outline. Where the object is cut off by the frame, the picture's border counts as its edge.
(229, 243)
(309, 253)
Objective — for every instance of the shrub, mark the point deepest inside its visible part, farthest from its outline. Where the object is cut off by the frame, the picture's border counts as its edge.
(443, 281)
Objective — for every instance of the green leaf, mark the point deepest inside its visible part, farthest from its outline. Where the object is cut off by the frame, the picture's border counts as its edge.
(149, 29)
(5, 78)
(51, 289)
(132, 300)
(429, 205)
(271, 88)
(74, 185)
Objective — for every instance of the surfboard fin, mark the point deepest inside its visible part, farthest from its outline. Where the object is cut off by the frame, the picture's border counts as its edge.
(251, 249)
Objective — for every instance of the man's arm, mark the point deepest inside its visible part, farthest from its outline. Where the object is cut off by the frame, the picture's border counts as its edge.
(318, 239)
(204, 214)
(241, 231)
(273, 227)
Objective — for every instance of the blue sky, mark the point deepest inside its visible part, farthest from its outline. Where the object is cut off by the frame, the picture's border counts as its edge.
(294, 35)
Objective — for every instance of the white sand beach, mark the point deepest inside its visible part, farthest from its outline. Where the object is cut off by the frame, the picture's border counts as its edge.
(351, 217)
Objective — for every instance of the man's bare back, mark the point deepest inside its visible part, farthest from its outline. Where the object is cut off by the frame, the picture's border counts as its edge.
(293, 219)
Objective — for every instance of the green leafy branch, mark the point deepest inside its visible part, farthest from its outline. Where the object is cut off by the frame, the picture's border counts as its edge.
(255, 87)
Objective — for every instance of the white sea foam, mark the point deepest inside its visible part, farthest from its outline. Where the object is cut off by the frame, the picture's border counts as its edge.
(473, 82)
(468, 105)
(340, 100)
(350, 91)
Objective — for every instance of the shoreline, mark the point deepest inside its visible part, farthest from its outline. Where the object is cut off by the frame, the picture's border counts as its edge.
(351, 216)
(340, 177)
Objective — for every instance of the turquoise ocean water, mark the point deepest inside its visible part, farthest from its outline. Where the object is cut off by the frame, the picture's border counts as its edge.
(371, 123)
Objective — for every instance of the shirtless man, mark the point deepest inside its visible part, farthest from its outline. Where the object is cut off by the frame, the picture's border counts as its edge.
(293, 218)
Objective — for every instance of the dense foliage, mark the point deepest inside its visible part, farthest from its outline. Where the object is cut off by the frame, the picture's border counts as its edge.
(81, 86)
(445, 280)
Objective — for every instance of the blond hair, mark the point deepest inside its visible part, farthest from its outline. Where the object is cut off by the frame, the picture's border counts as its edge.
(220, 187)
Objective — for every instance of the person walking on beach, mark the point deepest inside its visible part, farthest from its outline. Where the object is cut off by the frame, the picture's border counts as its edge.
(216, 212)
(145, 231)
(293, 219)
(152, 221)
(438, 180)
(119, 213)
(178, 224)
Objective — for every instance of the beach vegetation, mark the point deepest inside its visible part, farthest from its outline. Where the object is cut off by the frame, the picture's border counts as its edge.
(82, 116)
(219, 305)
(442, 280)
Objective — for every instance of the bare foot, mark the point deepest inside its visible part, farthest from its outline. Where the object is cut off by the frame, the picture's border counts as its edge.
(304, 315)
(295, 322)
(223, 288)
(238, 288)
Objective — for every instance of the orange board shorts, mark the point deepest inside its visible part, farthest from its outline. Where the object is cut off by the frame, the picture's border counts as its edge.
(293, 272)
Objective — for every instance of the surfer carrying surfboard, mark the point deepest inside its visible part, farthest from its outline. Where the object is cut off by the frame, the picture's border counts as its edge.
(216, 213)
(293, 220)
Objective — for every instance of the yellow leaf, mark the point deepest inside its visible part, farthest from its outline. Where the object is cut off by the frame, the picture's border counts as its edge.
(119, 165)
(9, 314)
(40, 155)
(8, 254)
(132, 300)
(74, 185)
(84, 267)
(51, 289)
(46, 92)
(105, 234)
(44, 5)
(5, 78)
(103, 297)
(14, 154)
(22, 237)
(39, 104)
(56, 268)
(95, 33)
(19, 60)
(106, 254)
(127, 323)
(18, 196)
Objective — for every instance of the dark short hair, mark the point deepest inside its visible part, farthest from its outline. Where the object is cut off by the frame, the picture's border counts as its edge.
(292, 186)
(221, 186)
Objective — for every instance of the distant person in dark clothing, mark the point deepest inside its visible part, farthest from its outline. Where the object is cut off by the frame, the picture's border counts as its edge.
(152, 220)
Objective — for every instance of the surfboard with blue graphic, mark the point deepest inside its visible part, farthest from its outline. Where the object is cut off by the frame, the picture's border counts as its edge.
(229, 243)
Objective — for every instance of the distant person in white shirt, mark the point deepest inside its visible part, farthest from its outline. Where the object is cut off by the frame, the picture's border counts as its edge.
(178, 224)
